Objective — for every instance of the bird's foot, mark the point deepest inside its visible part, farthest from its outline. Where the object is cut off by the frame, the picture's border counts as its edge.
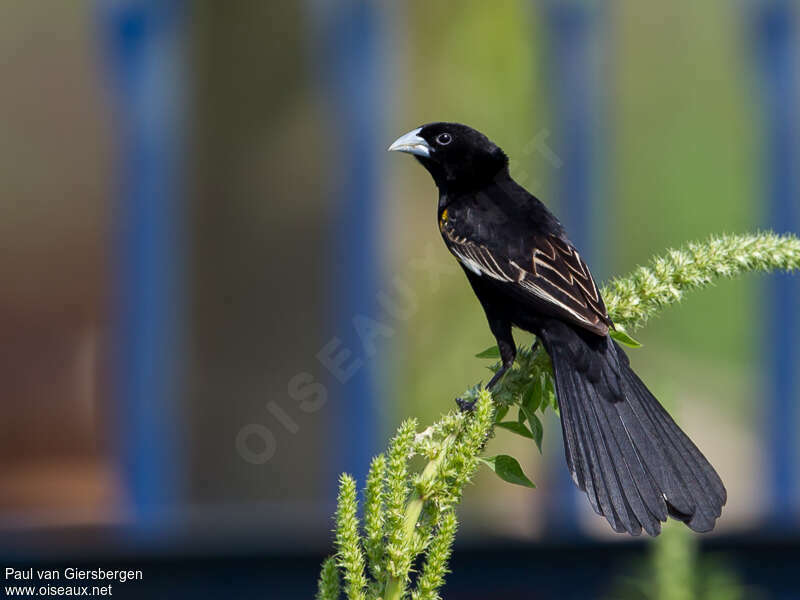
(466, 406)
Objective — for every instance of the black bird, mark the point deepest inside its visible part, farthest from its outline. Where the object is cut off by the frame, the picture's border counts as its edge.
(623, 449)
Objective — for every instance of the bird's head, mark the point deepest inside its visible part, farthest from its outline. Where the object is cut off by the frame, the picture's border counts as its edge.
(456, 156)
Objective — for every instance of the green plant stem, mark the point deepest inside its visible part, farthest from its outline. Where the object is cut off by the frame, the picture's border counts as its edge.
(673, 559)
(397, 500)
(633, 299)
(395, 586)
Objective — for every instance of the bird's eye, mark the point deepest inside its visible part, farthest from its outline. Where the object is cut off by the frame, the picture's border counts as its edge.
(443, 139)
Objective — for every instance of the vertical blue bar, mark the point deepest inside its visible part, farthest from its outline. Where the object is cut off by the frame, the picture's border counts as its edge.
(352, 68)
(144, 43)
(572, 46)
(778, 53)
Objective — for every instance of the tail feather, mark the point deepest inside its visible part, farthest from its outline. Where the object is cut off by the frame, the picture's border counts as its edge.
(647, 501)
(699, 477)
(623, 449)
(578, 460)
(612, 476)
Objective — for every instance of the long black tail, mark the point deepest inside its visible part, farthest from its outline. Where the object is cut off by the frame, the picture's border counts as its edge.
(623, 449)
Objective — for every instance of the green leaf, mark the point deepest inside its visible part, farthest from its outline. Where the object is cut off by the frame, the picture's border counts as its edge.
(518, 428)
(490, 352)
(536, 429)
(533, 396)
(624, 338)
(507, 469)
(550, 395)
(500, 412)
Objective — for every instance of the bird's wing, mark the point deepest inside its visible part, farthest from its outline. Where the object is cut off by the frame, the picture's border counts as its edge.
(548, 269)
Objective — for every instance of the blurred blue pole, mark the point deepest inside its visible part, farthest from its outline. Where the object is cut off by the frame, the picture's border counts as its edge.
(144, 42)
(572, 29)
(350, 57)
(778, 53)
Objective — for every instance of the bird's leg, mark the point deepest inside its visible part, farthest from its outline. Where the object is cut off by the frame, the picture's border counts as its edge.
(508, 352)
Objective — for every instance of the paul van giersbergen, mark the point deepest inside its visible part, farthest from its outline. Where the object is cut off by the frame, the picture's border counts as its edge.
(73, 574)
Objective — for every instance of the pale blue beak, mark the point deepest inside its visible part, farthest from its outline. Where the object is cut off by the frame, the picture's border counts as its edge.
(411, 143)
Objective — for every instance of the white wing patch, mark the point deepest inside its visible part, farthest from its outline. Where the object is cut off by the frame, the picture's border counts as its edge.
(480, 261)
(468, 262)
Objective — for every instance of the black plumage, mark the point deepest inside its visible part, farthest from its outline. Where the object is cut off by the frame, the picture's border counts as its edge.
(623, 449)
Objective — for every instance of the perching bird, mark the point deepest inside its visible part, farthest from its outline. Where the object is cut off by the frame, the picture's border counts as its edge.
(622, 448)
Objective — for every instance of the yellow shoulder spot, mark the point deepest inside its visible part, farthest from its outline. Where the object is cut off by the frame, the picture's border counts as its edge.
(443, 219)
